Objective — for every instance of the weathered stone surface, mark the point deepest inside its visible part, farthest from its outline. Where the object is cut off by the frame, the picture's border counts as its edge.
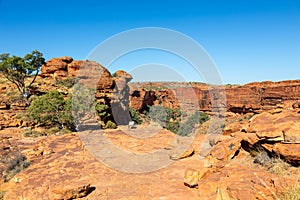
(123, 74)
(290, 152)
(93, 73)
(226, 149)
(55, 67)
(71, 169)
(291, 134)
(237, 181)
(73, 191)
(141, 98)
(179, 153)
(253, 97)
(278, 126)
(232, 127)
(191, 177)
(74, 66)
(66, 59)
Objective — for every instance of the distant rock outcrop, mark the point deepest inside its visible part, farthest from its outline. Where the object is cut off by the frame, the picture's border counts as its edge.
(250, 98)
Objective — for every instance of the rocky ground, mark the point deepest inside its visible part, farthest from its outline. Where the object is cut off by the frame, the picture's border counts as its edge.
(244, 162)
(62, 168)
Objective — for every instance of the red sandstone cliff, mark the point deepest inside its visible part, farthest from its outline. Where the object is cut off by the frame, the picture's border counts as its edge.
(253, 97)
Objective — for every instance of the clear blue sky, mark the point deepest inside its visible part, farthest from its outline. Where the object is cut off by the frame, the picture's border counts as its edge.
(249, 40)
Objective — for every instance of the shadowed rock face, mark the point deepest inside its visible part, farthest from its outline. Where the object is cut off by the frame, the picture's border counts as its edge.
(249, 98)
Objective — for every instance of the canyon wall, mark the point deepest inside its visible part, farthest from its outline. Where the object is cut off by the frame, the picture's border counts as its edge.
(252, 97)
(118, 95)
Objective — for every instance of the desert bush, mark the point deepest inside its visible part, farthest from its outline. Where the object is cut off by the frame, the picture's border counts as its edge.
(103, 111)
(16, 165)
(57, 131)
(292, 194)
(262, 158)
(278, 166)
(171, 119)
(49, 131)
(273, 163)
(52, 109)
(185, 130)
(158, 114)
(114, 74)
(66, 82)
(187, 127)
(163, 115)
(110, 125)
(173, 126)
(82, 102)
(2, 193)
(32, 133)
(135, 116)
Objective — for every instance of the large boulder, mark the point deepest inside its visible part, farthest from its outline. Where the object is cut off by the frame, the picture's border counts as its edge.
(56, 67)
(74, 66)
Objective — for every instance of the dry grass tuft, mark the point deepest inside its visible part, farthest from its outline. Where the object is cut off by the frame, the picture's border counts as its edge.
(2, 193)
(293, 194)
(278, 166)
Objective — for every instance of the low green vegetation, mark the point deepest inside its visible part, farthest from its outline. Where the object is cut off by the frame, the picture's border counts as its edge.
(135, 116)
(66, 82)
(15, 166)
(151, 87)
(110, 125)
(172, 119)
(52, 109)
(187, 127)
(55, 110)
(84, 106)
(163, 115)
(103, 111)
(32, 133)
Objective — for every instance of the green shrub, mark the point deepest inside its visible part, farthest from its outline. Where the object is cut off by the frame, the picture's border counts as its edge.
(110, 125)
(163, 115)
(31, 133)
(52, 109)
(49, 131)
(173, 126)
(66, 82)
(187, 127)
(135, 116)
(57, 131)
(103, 111)
(222, 126)
(158, 114)
(16, 165)
(82, 102)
